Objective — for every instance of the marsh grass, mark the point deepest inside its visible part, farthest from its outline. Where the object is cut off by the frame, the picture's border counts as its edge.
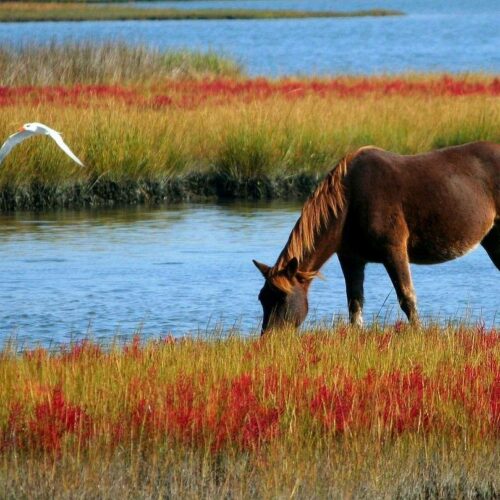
(339, 413)
(42, 11)
(273, 137)
(400, 471)
(106, 63)
(163, 136)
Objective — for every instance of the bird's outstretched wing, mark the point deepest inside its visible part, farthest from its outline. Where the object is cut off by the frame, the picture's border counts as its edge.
(41, 129)
(12, 141)
(59, 141)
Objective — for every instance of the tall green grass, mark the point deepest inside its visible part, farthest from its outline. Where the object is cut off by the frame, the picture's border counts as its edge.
(274, 137)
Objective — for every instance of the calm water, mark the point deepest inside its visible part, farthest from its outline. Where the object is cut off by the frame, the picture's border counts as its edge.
(451, 35)
(188, 268)
(185, 269)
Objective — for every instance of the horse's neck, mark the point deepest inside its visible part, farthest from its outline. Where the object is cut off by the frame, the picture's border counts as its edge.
(313, 255)
(317, 233)
(325, 245)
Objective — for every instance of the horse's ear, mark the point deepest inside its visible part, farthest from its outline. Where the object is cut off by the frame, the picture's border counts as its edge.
(262, 268)
(292, 267)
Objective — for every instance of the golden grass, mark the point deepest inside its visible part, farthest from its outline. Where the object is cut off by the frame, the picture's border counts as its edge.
(276, 136)
(171, 137)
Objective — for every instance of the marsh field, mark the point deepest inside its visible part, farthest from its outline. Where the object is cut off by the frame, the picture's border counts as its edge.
(337, 413)
(130, 360)
(171, 125)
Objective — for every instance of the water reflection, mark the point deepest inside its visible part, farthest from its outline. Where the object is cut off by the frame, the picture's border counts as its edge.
(186, 268)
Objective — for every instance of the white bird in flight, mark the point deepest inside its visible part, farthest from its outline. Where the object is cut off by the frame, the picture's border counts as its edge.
(31, 129)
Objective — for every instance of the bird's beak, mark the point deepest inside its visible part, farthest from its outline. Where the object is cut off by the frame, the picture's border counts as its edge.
(21, 129)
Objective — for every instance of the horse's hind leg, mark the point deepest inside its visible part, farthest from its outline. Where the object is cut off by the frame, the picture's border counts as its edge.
(398, 267)
(354, 275)
(491, 243)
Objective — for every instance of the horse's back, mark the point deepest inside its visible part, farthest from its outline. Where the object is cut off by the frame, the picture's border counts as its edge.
(490, 156)
(478, 158)
(442, 202)
(469, 170)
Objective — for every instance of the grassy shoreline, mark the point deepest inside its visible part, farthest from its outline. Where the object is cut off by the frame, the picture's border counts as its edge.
(30, 12)
(181, 140)
(329, 413)
(197, 128)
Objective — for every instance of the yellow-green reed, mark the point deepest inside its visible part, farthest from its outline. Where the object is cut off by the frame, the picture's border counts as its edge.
(271, 137)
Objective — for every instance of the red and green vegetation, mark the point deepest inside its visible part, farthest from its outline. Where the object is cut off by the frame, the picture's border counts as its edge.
(244, 128)
(82, 11)
(134, 115)
(330, 413)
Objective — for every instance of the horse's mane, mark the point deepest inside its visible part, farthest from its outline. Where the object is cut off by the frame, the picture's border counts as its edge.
(325, 203)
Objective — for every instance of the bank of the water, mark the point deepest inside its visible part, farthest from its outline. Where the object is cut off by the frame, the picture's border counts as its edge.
(225, 139)
(191, 187)
(29, 12)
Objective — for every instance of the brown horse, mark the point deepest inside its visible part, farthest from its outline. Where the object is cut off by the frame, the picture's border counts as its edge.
(378, 206)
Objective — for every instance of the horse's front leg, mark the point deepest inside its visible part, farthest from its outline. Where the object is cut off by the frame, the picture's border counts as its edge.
(354, 275)
(398, 267)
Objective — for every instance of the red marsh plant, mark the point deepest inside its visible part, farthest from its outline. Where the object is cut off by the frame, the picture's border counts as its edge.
(194, 93)
(51, 422)
(239, 129)
(246, 395)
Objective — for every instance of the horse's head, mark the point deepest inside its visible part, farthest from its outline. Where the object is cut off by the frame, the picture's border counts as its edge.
(284, 295)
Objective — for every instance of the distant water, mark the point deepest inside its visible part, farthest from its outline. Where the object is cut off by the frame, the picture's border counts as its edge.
(186, 269)
(454, 36)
